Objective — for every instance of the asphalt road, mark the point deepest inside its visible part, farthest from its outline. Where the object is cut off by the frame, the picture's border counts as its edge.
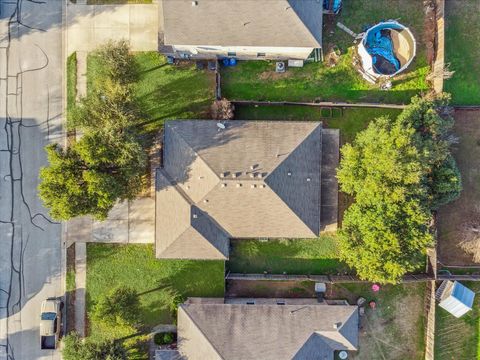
(31, 103)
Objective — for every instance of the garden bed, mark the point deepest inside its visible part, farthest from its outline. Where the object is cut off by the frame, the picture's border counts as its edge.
(454, 219)
(257, 80)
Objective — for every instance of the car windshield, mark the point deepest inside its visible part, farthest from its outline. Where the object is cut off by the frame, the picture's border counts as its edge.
(48, 316)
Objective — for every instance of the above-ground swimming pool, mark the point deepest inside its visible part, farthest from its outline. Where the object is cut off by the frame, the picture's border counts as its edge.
(386, 49)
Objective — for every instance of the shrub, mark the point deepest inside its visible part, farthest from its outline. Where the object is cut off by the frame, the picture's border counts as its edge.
(164, 338)
(120, 306)
(117, 62)
(77, 349)
(222, 110)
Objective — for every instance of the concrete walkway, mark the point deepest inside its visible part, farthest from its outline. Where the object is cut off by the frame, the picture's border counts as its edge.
(80, 286)
(89, 26)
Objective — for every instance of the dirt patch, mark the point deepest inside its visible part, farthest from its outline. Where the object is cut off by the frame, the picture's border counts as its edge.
(270, 289)
(391, 331)
(273, 75)
(453, 219)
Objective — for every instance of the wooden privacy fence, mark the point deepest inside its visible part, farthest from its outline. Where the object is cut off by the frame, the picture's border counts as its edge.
(343, 278)
(316, 278)
(319, 104)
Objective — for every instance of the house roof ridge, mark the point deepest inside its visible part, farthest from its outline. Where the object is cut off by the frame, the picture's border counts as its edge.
(194, 151)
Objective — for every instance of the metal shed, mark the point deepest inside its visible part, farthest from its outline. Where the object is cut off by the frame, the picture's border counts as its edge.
(455, 298)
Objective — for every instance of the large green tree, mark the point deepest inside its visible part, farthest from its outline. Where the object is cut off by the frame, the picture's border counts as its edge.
(397, 171)
(108, 162)
(90, 176)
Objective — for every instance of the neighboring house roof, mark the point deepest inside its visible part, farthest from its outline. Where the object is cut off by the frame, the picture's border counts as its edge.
(233, 331)
(251, 180)
(267, 23)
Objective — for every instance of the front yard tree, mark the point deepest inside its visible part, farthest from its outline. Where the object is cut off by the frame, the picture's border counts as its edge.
(89, 177)
(119, 307)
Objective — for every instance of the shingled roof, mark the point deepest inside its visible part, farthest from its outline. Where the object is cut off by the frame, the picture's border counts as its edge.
(272, 23)
(240, 331)
(253, 179)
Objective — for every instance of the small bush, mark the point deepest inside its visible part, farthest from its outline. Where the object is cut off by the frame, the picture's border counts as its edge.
(164, 338)
(222, 110)
(119, 307)
(76, 349)
(117, 62)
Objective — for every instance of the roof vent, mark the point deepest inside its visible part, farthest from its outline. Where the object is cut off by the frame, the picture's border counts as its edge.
(200, 177)
(337, 325)
(194, 3)
(253, 186)
(205, 201)
(259, 175)
(224, 185)
(252, 167)
(234, 175)
(252, 175)
(263, 186)
(308, 179)
(195, 216)
(222, 175)
(239, 185)
(289, 173)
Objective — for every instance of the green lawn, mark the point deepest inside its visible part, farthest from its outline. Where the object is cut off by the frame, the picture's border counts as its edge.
(296, 256)
(458, 338)
(349, 121)
(166, 91)
(172, 92)
(462, 50)
(257, 80)
(71, 81)
(156, 281)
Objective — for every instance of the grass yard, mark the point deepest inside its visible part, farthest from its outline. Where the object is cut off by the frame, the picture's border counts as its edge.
(462, 50)
(156, 281)
(257, 80)
(395, 329)
(71, 81)
(349, 120)
(458, 338)
(165, 91)
(293, 256)
(453, 218)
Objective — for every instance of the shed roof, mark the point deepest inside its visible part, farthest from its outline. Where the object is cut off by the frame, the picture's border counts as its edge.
(457, 299)
(234, 331)
(251, 180)
(270, 23)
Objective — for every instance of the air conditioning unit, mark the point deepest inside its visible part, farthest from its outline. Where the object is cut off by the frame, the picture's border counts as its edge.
(280, 67)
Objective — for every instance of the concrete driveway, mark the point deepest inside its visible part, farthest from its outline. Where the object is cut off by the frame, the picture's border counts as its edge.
(93, 25)
(31, 106)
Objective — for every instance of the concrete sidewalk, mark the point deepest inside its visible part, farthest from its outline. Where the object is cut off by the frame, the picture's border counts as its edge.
(80, 287)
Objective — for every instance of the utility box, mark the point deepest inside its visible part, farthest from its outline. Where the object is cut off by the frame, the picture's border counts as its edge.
(295, 63)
